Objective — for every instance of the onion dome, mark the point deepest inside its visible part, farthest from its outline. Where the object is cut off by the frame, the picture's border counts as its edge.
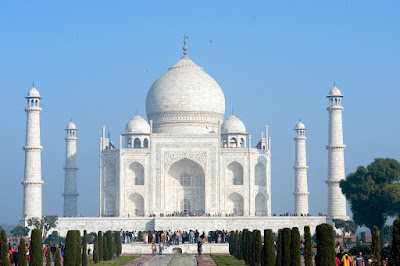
(233, 125)
(300, 126)
(137, 125)
(335, 92)
(185, 99)
(71, 126)
(33, 93)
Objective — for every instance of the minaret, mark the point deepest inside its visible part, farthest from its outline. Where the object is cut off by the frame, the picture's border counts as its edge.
(33, 170)
(335, 147)
(301, 188)
(71, 170)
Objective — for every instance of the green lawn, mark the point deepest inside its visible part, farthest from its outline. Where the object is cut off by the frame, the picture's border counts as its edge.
(120, 261)
(227, 260)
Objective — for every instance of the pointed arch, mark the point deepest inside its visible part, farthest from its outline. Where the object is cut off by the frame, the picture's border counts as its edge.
(136, 143)
(235, 204)
(260, 175)
(136, 204)
(136, 174)
(234, 174)
(260, 205)
(146, 143)
(110, 175)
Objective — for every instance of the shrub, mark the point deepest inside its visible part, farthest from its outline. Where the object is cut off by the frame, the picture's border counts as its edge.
(48, 259)
(325, 245)
(96, 258)
(257, 247)
(286, 235)
(70, 249)
(118, 243)
(100, 240)
(308, 260)
(396, 243)
(23, 261)
(84, 249)
(279, 249)
(269, 248)
(295, 247)
(231, 241)
(36, 248)
(245, 242)
(57, 258)
(105, 250)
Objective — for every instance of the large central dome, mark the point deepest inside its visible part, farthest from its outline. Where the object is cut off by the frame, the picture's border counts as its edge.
(185, 99)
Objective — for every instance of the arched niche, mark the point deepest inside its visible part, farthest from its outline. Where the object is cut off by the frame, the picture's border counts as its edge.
(260, 175)
(110, 175)
(235, 204)
(260, 205)
(234, 174)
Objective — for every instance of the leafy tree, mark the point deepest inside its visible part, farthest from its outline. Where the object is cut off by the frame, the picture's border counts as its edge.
(257, 247)
(84, 249)
(118, 243)
(55, 238)
(325, 245)
(45, 224)
(78, 247)
(96, 258)
(396, 243)
(295, 247)
(373, 192)
(70, 249)
(269, 248)
(376, 247)
(57, 258)
(346, 227)
(308, 259)
(20, 231)
(36, 248)
(279, 249)
(23, 261)
(4, 261)
(100, 240)
(286, 235)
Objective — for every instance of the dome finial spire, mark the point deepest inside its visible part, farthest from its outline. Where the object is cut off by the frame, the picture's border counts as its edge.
(232, 110)
(33, 84)
(334, 84)
(137, 111)
(184, 44)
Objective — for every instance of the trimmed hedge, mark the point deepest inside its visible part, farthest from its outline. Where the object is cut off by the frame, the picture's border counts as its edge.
(4, 261)
(257, 247)
(100, 241)
(295, 247)
(23, 261)
(325, 245)
(279, 249)
(308, 247)
(286, 237)
(269, 248)
(70, 249)
(118, 243)
(396, 243)
(36, 248)
(84, 249)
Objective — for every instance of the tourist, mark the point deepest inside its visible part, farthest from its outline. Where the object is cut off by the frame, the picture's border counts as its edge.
(359, 260)
(15, 256)
(53, 251)
(346, 260)
(337, 261)
(160, 248)
(199, 247)
(153, 248)
(196, 236)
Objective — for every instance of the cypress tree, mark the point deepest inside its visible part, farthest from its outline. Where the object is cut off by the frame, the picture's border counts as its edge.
(84, 249)
(96, 258)
(286, 235)
(57, 258)
(4, 261)
(257, 244)
(78, 247)
(376, 247)
(231, 237)
(48, 259)
(118, 243)
(240, 246)
(279, 249)
(295, 247)
(105, 250)
(250, 253)
(396, 243)
(36, 248)
(245, 241)
(381, 238)
(100, 240)
(23, 261)
(269, 248)
(308, 260)
(110, 245)
(70, 249)
(325, 245)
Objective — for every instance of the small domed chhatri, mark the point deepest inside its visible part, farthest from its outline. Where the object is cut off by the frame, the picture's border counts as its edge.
(300, 125)
(33, 93)
(335, 91)
(233, 125)
(137, 125)
(71, 125)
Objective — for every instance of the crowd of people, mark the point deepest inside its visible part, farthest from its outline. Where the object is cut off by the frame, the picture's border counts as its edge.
(175, 237)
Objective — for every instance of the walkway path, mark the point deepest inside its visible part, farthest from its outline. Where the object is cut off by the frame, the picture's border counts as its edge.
(205, 260)
(170, 260)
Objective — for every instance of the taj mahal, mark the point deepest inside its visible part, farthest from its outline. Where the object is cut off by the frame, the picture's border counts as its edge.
(215, 174)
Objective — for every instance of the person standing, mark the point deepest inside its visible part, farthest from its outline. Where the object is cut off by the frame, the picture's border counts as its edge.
(359, 259)
(160, 248)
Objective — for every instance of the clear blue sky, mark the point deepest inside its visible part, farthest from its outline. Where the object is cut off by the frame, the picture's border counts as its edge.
(94, 61)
